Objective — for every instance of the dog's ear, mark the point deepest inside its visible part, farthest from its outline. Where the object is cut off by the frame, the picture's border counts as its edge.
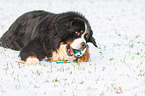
(92, 40)
(78, 22)
(62, 24)
(66, 22)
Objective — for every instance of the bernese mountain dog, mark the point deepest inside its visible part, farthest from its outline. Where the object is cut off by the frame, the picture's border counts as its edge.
(41, 35)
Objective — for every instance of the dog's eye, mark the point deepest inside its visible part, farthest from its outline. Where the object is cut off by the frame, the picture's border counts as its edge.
(77, 33)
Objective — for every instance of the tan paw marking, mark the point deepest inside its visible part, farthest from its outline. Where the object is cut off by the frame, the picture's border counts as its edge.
(32, 60)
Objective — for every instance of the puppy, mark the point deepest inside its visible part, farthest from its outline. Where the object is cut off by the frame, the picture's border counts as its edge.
(41, 35)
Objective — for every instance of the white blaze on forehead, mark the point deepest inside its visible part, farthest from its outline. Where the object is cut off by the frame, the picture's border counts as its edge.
(77, 42)
(86, 31)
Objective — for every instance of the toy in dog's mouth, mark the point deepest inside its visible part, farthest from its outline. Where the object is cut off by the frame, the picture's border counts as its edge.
(71, 51)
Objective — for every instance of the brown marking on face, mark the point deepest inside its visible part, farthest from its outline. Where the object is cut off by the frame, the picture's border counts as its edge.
(69, 42)
(82, 31)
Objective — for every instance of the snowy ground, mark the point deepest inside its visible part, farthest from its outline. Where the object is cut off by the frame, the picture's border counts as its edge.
(116, 68)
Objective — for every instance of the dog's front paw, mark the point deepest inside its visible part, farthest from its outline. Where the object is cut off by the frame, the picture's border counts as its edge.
(32, 60)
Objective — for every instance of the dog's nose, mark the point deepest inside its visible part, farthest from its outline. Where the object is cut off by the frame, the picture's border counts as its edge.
(84, 45)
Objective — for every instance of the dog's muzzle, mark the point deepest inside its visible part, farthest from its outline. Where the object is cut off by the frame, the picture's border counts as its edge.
(71, 51)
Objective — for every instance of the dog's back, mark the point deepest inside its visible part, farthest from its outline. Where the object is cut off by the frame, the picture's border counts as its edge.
(19, 34)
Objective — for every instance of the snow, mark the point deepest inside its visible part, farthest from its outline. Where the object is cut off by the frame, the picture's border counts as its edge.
(116, 67)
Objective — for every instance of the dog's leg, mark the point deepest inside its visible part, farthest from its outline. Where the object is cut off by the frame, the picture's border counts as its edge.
(32, 60)
(29, 58)
(85, 57)
(32, 53)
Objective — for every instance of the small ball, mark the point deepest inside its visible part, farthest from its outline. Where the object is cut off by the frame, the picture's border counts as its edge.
(77, 53)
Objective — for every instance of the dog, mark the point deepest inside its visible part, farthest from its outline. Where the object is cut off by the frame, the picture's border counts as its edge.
(41, 35)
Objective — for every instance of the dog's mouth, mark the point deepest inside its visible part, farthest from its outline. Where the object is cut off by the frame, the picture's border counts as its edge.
(70, 50)
(75, 52)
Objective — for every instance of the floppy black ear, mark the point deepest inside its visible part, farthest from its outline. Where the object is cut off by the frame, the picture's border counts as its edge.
(92, 40)
(61, 28)
(77, 21)
(62, 24)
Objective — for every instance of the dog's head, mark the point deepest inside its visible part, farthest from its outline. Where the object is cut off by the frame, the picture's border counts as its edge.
(75, 32)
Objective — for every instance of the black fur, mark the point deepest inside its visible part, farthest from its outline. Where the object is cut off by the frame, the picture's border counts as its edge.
(39, 33)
